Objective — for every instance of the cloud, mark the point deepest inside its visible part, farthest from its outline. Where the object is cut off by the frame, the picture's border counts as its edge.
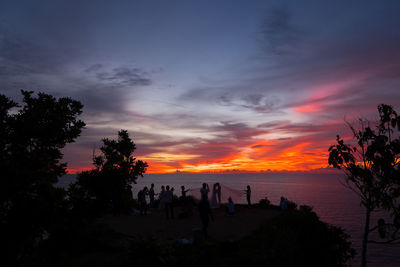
(259, 146)
(236, 98)
(278, 32)
(238, 131)
(20, 57)
(94, 68)
(262, 104)
(124, 76)
(314, 65)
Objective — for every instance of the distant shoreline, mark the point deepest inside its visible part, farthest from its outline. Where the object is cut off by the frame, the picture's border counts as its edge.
(315, 171)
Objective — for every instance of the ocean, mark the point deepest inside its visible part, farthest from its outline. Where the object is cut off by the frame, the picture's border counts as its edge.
(330, 199)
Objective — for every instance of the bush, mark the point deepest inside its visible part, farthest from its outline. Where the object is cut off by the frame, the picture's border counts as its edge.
(293, 238)
(264, 203)
(297, 238)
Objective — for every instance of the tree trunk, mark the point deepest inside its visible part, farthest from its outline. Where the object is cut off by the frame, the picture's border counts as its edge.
(365, 239)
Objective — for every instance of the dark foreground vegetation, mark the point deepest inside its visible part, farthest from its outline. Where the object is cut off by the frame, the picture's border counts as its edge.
(293, 238)
(42, 225)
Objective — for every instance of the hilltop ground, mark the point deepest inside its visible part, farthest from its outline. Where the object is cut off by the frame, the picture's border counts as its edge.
(224, 227)
(294, 238)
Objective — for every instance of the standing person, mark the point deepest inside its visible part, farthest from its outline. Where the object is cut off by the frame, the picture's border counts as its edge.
(161, 197)
(204, 191)
(218, 189)
(248, 195)
(142, 201)
(187, 202)
(205, 213)
(168, 203)
(183, 192)
(231, 206)
(214, 203)
(284, 203)
(151, 195)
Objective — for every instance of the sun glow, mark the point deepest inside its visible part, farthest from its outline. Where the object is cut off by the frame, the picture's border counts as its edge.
(259, 156)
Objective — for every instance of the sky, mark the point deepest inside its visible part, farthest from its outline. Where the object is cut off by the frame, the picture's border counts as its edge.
(207, 86)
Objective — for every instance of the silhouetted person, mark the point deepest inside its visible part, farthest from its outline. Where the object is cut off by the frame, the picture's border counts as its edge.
(151, 195)
(248, 195)
(183, 192)
(284, 203)
(204, 191)
(168, 203)
(161, 197)
(230, 206)
(205, 213)
(142, 200)
(214, 203)
(218, 190)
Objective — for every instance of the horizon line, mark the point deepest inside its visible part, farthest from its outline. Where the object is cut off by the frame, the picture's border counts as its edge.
(311, 171)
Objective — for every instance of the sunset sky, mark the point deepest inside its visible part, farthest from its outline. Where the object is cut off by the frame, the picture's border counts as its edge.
(207, 85)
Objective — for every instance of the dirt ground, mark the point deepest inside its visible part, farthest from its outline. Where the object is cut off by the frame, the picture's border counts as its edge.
(224, 227)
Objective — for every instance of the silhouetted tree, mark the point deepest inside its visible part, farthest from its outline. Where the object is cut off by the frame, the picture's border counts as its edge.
(108, 186)
(372, 171)
(31, 138)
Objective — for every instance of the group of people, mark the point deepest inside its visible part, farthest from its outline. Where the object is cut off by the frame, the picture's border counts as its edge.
(216, 194)
(166, 198)
(205, 209)
(286, 204)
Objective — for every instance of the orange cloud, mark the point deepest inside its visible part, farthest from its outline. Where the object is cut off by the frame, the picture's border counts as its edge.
(259, 156)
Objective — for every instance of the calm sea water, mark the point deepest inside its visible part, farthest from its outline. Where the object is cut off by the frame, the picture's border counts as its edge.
(334, 203)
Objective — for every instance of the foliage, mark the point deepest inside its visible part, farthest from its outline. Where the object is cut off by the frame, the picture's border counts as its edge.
(372, 165)
(265, 203)
(80, 244)
(108, 187)
(298, 238)
(31, 139)
(147, 250)
(294, 238)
